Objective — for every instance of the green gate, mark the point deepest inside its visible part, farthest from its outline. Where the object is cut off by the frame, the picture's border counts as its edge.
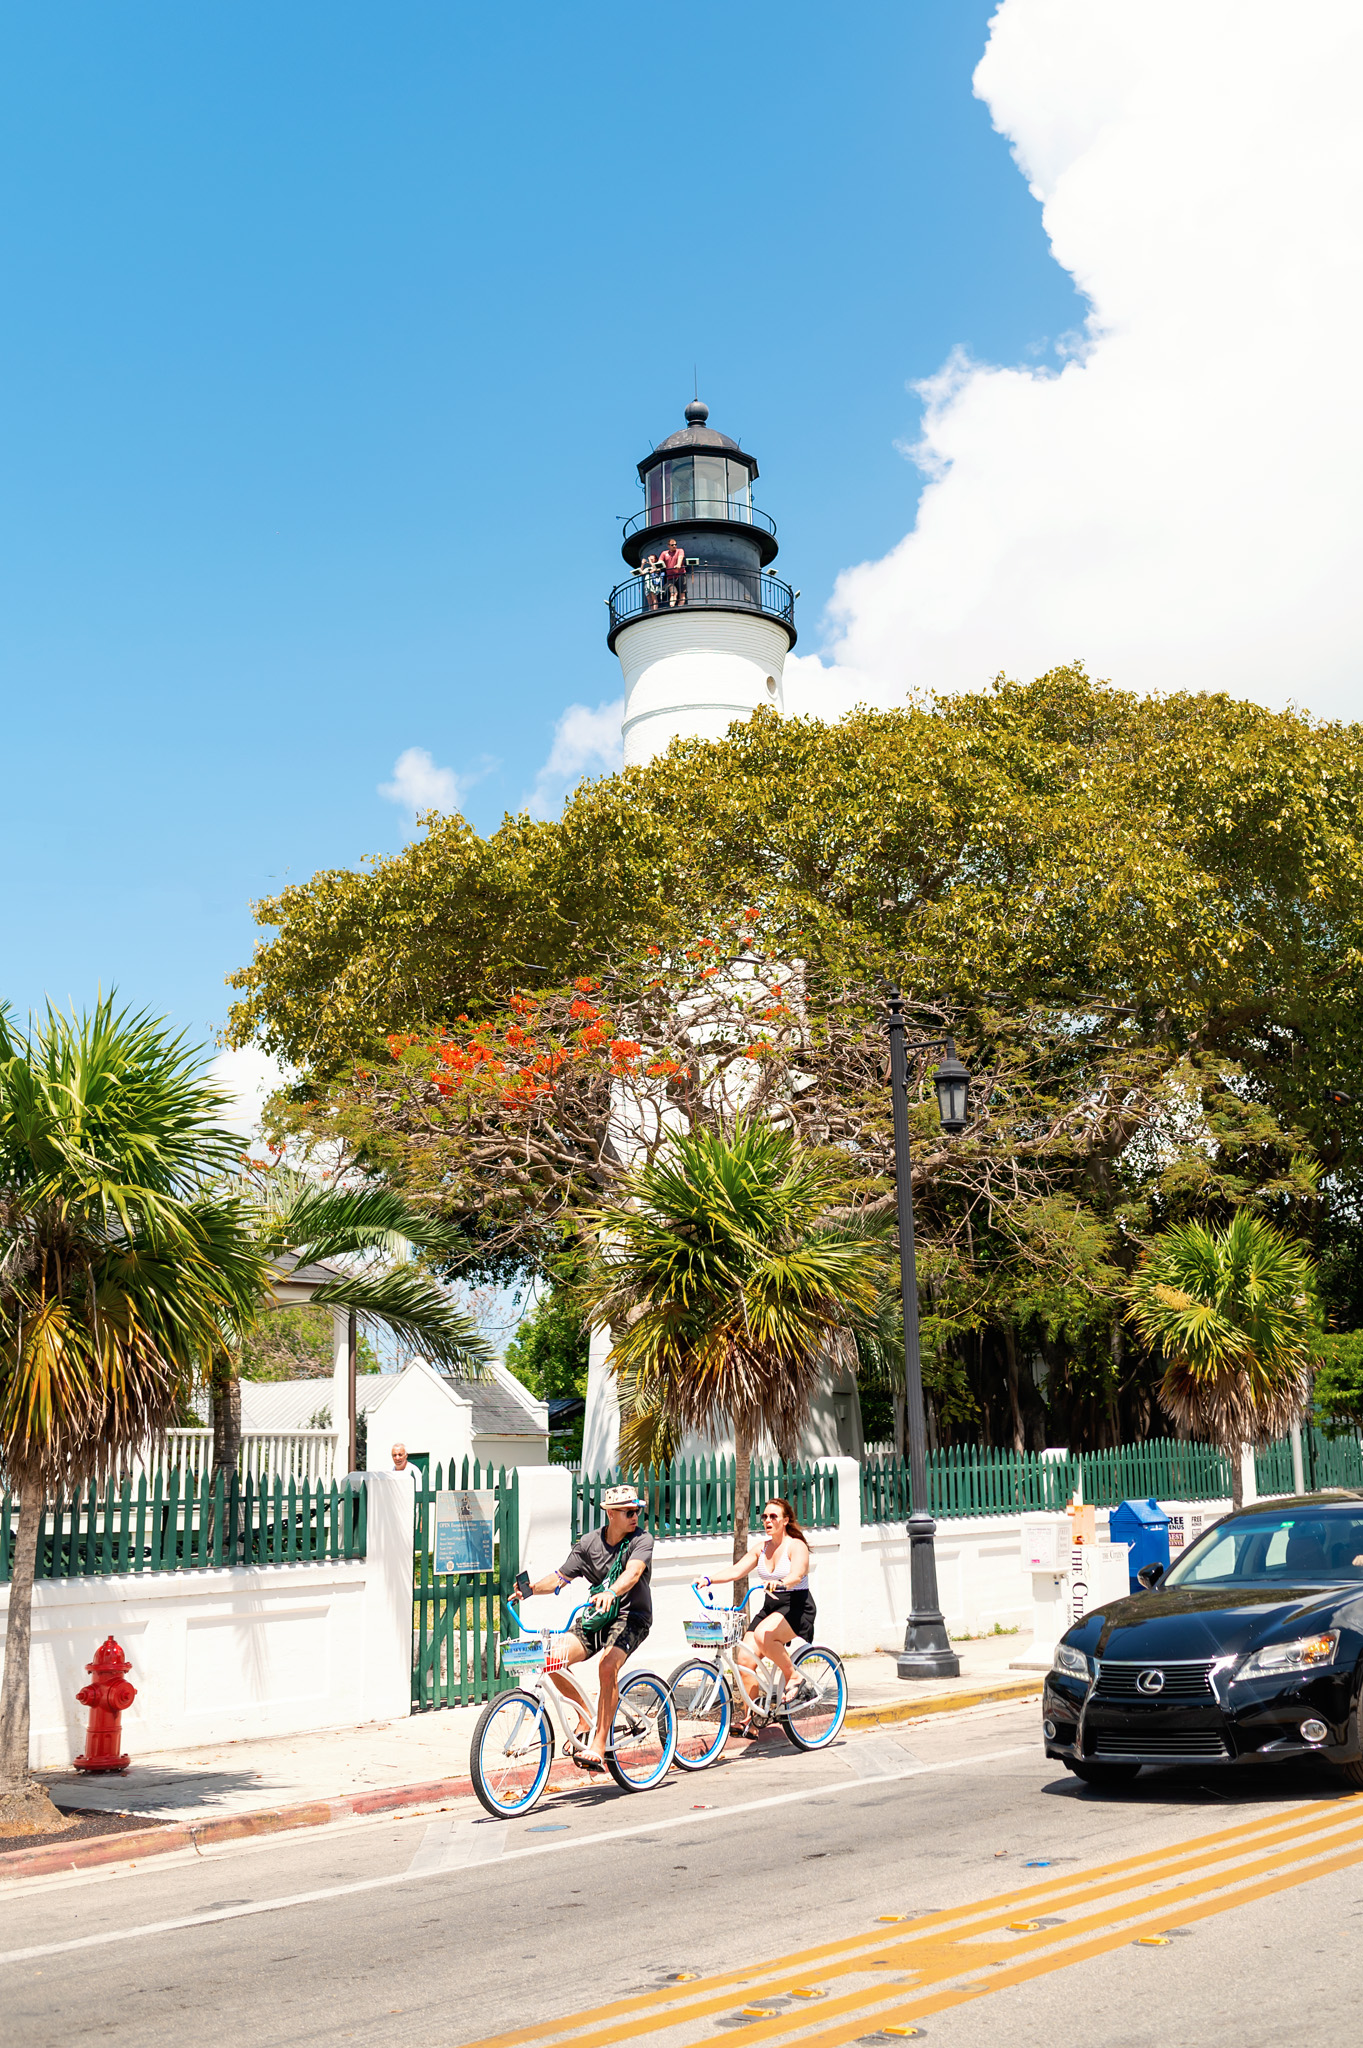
(458, 1618)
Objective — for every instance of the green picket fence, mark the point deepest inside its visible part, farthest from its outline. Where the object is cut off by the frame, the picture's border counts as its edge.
(1326, 1462)
(171, 1523)
(695, 1496)
(459, 1618)
(970, 1479)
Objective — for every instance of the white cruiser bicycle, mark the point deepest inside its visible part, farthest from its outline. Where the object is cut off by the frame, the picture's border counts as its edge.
(517, 1733)
(707, 1693)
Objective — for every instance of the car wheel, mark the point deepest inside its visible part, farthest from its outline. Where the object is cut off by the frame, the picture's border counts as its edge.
(1111, 1775)
(1352, 1774)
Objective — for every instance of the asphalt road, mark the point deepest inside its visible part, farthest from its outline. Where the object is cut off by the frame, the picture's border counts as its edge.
(1027, 1900)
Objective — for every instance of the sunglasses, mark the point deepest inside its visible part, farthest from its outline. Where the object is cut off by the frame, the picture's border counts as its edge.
(771, 1518)
(628, 1511)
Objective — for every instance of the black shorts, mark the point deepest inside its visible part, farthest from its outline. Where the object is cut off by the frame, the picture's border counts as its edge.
(625, 1633)
(797, 1609)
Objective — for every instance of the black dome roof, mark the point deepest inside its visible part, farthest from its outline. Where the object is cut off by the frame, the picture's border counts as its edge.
(697, 437)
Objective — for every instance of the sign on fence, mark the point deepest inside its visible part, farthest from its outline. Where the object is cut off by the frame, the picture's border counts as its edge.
(463, 1531)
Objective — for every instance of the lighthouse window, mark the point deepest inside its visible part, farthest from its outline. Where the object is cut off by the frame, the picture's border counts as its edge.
(712, 491)
(699, 486)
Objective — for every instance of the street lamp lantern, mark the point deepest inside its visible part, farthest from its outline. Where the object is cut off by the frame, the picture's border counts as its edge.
(953, 1091)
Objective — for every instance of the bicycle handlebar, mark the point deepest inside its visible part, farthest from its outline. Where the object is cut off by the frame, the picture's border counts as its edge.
(704, 1596)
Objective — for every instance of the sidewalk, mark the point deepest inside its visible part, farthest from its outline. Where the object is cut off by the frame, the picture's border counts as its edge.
(388, 1765)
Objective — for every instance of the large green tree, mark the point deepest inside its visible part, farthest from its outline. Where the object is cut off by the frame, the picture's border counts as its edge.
(120, 1278)
(1142, 917)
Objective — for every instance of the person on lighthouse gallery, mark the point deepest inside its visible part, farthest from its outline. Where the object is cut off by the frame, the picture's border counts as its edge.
(652, 573)
(674, 572)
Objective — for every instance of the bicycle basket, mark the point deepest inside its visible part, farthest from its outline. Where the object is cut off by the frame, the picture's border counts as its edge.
(704, 1635)
(729, 1623)
(522, 1653)
(555, 1652)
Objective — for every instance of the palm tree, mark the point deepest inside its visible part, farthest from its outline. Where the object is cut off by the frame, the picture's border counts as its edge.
(119, 1279)
(1234, 1315)
(295, 1223)
(723, 1288)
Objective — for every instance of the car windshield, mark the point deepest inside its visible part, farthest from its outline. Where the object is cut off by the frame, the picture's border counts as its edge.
(1268, 1547)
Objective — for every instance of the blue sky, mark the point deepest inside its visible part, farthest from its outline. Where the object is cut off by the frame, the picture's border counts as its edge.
(333, 334)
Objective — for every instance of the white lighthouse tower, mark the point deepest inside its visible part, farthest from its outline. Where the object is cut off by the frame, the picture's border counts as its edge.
(696, 656)
(710, 647)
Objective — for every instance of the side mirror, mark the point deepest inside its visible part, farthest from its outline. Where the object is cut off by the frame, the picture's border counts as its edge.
(1150, 1575)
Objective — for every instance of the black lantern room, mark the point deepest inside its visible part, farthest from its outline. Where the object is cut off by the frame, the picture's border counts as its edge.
(698, 493)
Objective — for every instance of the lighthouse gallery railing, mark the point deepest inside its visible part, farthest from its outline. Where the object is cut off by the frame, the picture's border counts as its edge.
(718, 589)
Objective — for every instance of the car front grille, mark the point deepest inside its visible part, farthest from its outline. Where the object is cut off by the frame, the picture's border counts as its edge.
(1179, 1745)
(1121, 1681)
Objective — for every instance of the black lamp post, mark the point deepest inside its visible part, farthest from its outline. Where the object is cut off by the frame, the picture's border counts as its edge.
(927, 1651)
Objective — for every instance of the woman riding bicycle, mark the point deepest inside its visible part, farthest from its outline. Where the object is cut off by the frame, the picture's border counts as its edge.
(780, 1561)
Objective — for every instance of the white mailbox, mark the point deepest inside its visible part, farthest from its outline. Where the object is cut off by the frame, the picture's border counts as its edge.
(1046, 1544)
(1068, 1579)
(1046, 1554)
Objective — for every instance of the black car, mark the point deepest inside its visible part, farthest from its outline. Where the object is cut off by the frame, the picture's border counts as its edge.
(1248, 1651)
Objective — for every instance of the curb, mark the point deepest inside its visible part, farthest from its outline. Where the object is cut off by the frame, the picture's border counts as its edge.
(52, 1858)
(881, 1716)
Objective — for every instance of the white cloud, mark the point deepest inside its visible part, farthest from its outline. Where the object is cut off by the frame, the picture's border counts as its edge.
(583, 740)
(248, 1076)
(1178, 502)
(419, 785)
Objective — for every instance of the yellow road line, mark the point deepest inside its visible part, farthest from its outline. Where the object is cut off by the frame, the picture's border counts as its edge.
(1051, 1891)
(1061, 1959)
(955, 1941)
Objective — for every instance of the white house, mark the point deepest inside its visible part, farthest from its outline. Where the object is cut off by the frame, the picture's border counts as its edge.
(496, 1420)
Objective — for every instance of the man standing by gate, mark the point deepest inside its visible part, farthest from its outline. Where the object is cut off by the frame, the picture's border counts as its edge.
(617, 1560)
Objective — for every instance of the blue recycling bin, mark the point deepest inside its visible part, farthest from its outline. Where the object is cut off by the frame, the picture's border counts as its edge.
(1144, 1527)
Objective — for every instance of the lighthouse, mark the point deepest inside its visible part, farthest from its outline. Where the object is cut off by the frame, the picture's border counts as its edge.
(702, 630)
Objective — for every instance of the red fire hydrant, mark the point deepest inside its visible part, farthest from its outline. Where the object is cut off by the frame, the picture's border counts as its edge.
(106, 1697)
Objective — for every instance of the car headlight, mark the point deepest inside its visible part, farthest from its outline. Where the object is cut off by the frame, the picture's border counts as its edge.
(1071, 1661)
(1306, 1653)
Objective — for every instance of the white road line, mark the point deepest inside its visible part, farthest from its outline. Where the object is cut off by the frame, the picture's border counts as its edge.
(709, 1815)
(454, 1844)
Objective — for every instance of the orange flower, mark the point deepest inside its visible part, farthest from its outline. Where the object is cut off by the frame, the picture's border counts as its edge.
(585, 983)
(580, 1009)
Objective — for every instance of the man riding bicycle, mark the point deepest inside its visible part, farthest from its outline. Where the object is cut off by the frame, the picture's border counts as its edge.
(617, 1559)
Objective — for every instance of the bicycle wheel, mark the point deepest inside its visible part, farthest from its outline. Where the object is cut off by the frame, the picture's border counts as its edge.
(513, 1747)
(812, 1723)
(643, 1733)
(703, 1709)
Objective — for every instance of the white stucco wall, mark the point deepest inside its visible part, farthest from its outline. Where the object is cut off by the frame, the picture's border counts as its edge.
(692, 673)
(221, 1655)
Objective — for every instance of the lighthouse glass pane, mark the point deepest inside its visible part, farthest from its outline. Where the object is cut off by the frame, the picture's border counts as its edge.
(740, 490)
(654, 481)
(680, 489)
(712, 495)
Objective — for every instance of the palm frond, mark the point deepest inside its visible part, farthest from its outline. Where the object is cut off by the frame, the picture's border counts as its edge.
(723, 1287)
(1234, 1315)
(418, 1311)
